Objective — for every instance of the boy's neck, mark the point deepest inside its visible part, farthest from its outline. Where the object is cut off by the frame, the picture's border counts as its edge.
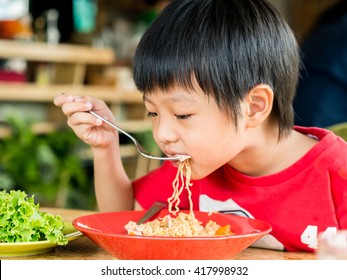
(269, 156)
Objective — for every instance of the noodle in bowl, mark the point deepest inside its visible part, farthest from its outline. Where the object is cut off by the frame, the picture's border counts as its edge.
(183, 225)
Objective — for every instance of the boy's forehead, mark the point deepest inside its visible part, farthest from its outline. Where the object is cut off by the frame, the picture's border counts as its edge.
(174, 95)
(178, 91)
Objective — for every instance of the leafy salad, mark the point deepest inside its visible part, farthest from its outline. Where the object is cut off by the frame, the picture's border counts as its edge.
(22, 221)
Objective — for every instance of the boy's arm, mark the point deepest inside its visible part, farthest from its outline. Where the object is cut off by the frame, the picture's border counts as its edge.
(113, 188)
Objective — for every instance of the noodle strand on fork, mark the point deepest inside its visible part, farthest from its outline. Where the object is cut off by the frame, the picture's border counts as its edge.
(178, 185)
(187, 186)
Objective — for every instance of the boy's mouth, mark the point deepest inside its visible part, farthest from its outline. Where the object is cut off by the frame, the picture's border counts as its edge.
(183, 157)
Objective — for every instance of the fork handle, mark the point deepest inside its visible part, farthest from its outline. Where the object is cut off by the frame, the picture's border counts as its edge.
(155, 208)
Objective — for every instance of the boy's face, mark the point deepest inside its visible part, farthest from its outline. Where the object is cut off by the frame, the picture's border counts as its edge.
(191, 123)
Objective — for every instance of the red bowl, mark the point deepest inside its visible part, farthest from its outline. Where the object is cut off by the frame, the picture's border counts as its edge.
(106, 229)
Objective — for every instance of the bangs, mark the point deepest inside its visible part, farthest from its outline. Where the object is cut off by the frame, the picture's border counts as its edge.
(173, 54)
(167, 65)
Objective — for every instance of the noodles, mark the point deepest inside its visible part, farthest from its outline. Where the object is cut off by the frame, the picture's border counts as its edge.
(178, 185)
(183, 224)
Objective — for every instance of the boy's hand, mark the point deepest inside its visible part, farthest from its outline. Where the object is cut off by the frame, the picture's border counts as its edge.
(86, 126)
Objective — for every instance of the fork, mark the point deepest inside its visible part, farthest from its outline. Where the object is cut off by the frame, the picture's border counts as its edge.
(155, 208)
(138, 146)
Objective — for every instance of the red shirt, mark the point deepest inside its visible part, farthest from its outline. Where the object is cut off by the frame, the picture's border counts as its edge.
(299, 202)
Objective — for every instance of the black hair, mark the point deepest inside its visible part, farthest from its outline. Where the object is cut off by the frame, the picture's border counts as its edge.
(228, 46)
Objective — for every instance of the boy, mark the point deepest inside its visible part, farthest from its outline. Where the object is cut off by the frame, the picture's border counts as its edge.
(218, 79)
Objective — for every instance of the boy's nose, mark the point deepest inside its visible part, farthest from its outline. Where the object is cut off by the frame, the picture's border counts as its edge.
(165, 133)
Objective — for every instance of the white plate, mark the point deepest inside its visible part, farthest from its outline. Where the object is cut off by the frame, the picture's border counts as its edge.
(37, 247)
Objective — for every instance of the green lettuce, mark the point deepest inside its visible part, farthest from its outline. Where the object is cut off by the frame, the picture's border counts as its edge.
(22, 221)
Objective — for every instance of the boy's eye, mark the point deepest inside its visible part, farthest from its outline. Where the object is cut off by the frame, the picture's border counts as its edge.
(152, 114)
(183, 117)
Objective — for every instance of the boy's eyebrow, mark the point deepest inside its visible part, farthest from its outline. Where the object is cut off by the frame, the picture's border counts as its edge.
(173, 98)
(146, 99)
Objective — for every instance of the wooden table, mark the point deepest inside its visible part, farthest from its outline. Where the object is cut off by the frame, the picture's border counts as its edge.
(85, 249)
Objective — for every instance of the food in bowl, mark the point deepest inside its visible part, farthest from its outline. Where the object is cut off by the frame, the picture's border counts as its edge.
(182, 226)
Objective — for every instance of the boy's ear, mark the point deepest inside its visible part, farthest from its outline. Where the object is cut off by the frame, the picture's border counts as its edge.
(259, 103)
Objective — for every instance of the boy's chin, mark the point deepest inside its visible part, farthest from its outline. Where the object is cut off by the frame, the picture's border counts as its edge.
(202, 171)
(198, 174)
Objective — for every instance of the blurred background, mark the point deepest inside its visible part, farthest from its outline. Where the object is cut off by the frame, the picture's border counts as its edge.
(82, 47)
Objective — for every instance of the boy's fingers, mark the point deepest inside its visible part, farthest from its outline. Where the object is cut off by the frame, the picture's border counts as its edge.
(59, 100)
